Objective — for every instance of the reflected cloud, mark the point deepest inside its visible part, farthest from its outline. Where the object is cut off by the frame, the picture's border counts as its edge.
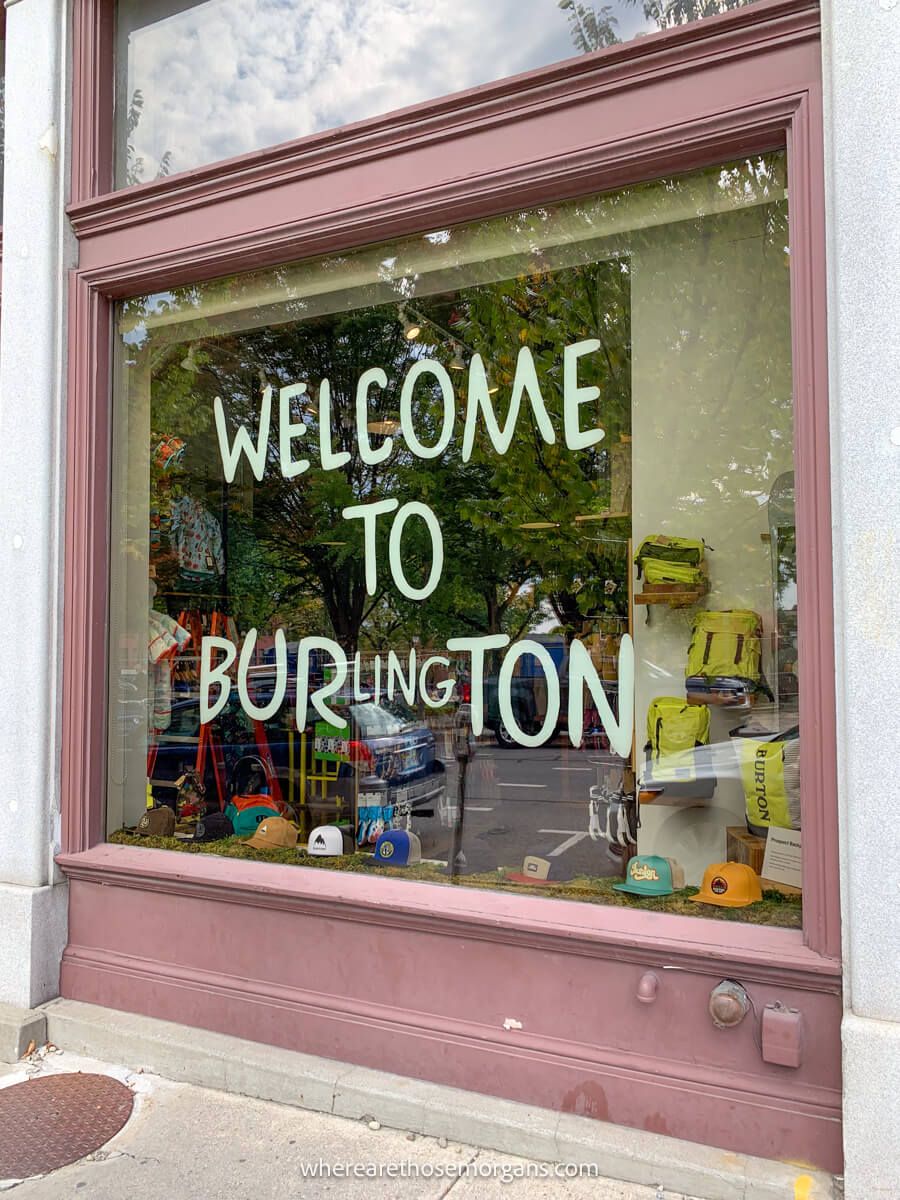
(229, 76)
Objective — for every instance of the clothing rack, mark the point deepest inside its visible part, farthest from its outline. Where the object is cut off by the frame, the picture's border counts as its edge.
(208, 744)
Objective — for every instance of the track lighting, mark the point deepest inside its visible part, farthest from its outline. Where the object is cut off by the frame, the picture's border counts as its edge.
(411, 329)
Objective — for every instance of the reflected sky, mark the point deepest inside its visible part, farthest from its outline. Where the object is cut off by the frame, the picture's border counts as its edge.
(228, 76)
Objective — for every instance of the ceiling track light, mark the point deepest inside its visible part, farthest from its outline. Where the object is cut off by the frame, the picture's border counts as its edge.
(411, 329)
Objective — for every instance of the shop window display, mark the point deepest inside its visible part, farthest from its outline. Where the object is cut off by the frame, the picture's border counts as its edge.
(199, 82)
(471, 557)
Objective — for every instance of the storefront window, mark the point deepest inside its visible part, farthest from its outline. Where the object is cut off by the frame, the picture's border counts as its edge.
(199, 82)
(471, 557)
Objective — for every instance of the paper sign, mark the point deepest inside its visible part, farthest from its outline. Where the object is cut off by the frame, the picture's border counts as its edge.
(781, 863)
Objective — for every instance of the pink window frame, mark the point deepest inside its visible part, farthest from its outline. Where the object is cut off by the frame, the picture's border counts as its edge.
(2, 38)
(727, 86)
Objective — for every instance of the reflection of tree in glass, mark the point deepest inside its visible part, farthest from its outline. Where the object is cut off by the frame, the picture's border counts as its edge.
(595, 28)
(590, 28)
(529, 532)
(134, 162)
(535, 483)
(667, 13)
(496, 576)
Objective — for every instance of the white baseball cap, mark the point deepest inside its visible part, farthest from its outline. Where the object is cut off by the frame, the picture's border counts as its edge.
(329, 841)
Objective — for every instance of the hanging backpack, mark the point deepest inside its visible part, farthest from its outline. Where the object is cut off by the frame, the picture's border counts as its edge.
(658, 548)
(726, 645)
(770, 773)
(674, 730)
(657, 570)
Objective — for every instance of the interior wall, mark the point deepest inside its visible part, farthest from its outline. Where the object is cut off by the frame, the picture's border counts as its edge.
(712, 429)
(129, 677)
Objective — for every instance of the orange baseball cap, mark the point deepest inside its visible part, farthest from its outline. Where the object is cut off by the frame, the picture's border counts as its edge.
(274, 833)
(730, 885)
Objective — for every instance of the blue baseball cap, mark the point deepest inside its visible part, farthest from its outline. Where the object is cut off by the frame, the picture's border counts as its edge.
(398, 848)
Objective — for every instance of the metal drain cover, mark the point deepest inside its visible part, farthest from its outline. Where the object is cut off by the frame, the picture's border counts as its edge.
(50, 1122)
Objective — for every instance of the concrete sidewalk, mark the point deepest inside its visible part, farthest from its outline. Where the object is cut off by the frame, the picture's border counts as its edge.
(191, 1143)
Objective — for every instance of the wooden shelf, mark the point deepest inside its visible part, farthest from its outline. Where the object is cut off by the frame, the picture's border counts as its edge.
(606, 516)
(662, 800)
(719, 699)
(675, 595)
(670, 593)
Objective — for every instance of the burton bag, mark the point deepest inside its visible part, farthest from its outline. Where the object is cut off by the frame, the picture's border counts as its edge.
(770, 773)
(674, 730)
(662, 548)
(658, 570)
(726, 645)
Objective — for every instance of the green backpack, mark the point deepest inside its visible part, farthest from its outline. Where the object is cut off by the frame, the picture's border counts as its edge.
(657, 570)
(726, 644)
(663, 549)
(674, 730)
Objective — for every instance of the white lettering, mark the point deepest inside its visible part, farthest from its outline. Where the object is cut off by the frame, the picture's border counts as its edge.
(542, 654)
(573, 396)
(288, 430)
(330, 459)
(427, 366)
(256, 455)
(444, 687)
(266, 711)
(369, 514)
(581, 672)
(317, 698)
(415, 509)
(210, 675)
(395, 675)
(477, 646)
(479, 400)
(374, 375)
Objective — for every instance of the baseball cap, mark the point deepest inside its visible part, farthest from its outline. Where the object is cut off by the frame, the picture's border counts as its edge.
(730, 885)
(651, 875)
(246, 822)
(540, 869)
(213, 827)
(157, 822)
(329, 841)
(398, 848)
(274, 833)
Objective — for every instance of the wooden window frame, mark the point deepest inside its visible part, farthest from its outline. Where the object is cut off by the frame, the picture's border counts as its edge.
(728, 86)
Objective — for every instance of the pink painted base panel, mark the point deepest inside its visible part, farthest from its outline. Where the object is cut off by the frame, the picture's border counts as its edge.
(432, 1000)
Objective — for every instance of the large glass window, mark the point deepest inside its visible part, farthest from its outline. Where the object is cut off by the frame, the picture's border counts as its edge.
(198, 82)
(471, 557)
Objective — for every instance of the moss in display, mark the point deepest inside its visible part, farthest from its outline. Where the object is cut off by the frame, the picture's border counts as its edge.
(774, 908)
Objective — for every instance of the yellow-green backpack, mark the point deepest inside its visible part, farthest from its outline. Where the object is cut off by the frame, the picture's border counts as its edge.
(674, 730)
(662, 548)
(726, 644)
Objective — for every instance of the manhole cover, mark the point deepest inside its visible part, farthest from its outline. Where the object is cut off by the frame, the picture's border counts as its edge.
(53, 1121)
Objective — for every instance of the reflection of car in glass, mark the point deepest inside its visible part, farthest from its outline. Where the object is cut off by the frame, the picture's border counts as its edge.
(528, 696)
(384, 740)
(388, 742)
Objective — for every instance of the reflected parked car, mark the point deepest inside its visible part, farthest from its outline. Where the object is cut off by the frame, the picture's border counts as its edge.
(382, 741)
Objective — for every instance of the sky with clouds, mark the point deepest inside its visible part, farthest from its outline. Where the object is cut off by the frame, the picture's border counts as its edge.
(227, 76)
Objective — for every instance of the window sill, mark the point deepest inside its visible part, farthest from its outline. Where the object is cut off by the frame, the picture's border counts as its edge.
(649, 939)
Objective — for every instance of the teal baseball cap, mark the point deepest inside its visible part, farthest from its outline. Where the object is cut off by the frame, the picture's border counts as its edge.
(650, 875)
(246, 821)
